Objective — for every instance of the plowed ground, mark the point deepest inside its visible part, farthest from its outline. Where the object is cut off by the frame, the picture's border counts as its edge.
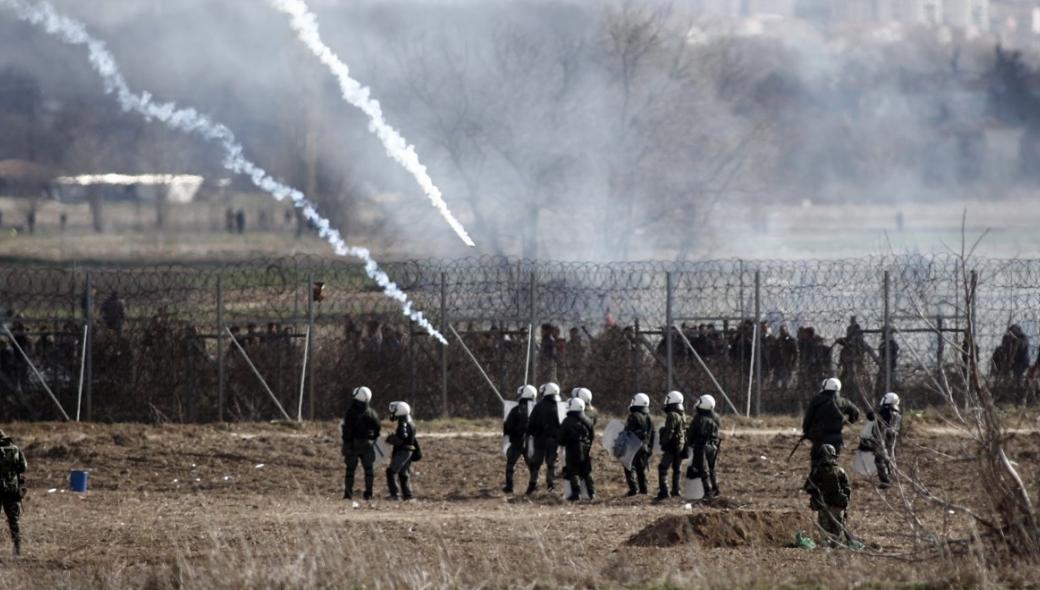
(164, 499)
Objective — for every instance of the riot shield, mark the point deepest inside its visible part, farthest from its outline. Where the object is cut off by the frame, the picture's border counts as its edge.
(863, 464)
(383, 451)
(561, 409)
(694, 489)
(505, 445)
(625, 448)
(610, 434)
(506, 408)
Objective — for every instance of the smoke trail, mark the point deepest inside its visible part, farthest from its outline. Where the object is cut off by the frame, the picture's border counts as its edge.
(73, 32)
(305, 23)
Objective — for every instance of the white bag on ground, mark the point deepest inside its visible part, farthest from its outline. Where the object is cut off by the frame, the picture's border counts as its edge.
(863, 464)
(583, 494)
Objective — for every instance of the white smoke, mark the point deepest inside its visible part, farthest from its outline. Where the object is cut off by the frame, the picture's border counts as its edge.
(72, 32)
(305, 23)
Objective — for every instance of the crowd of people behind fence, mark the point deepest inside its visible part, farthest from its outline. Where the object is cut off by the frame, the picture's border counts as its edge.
(174, 360)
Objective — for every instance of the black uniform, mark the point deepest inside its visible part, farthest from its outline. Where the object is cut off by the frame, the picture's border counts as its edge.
(12, 487)
(673, 443)
(639, 423)
(824, 420)
(703, 438)
(360, 433)
(405, 446)
(576, 436)
(544, 427)
(515, 427)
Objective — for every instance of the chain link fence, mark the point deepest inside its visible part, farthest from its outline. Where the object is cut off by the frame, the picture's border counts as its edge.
(290, 337)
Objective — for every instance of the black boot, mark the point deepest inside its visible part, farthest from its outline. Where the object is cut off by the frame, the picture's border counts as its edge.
(508, 488)
(590, 487)
(369, 484)
(675, 484)
(391, 484)
(550, 478)
(641, 475)
(406, 487)
(575, 489)
(630, 479)
(17, 546)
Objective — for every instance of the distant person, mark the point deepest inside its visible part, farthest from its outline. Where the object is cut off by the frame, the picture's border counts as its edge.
(406, 450)
(63, 220)
(576, 436)
(12, 487)
(515, 429)
(673, 443)
(30, 221)
(240, 221)
(113, 312)
(360, 432)
(1, 218)
(544, 428)
(829, 495)
(229, 220)
(639, 424)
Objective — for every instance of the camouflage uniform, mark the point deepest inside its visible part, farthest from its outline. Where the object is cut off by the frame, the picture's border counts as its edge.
(703, 438)
(673, 443)
(829, 495)
(12, 486)
(544, 427)
(639, 423)
(405, 448)
(889, 422)
(576, 436)
(360, 432)
(824, 420)
(515, 427)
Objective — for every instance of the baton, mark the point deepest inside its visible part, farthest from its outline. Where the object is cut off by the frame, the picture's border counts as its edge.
(795, 449)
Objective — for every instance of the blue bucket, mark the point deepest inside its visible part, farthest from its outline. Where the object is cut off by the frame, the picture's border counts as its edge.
(78, 480)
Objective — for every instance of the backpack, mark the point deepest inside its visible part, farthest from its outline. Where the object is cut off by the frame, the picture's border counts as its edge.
(417, 453)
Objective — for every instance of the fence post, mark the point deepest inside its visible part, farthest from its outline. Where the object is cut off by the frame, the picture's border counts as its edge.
(533, 319)
(310, 346)
(444, 347)
(940, 346)
(668, 327)
(886, 334)
(758, 345)
(412, 375)
(88, 304)
(221, 374)
(636, 351)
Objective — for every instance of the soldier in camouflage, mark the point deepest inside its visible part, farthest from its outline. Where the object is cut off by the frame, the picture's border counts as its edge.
(673, 443)
(360, 432)
(576, 436)
(829, 495)
(12, 486)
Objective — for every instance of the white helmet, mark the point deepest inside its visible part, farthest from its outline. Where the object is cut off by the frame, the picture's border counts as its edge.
(890, 399)
(640, 400)
(583, 394)
(527, 392)
(706, 402)
(673, 397)
(576, 405)
(362, 394)
(550, 390)
(832, 384)
(400, 409)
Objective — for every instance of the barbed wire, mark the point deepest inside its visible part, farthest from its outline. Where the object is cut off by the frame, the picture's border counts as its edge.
(158, 330)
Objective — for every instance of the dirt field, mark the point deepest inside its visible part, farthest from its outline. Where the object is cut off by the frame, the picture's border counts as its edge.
(249, 505)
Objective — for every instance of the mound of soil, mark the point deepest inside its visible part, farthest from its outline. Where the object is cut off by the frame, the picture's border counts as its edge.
(721, 528)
